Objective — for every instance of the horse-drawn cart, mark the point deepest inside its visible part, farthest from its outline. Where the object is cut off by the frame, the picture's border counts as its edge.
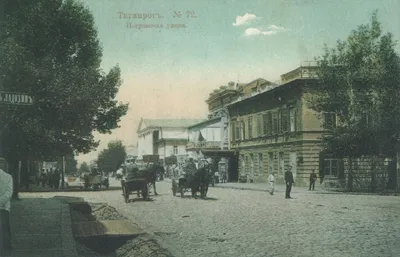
(95, 181)
(135, 185)
(194, 179)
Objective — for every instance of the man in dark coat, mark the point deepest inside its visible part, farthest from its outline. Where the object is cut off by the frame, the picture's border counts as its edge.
(313, 178)
(289, 182)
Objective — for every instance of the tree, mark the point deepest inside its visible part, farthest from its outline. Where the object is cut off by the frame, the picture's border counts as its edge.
(50, 50)
(110, 159)
(84, 168)
(70, 164)
(359, 82)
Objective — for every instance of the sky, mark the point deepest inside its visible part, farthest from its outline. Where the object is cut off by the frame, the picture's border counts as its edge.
(169, 72)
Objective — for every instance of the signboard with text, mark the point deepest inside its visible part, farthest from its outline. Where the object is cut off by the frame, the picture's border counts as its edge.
(15, 98)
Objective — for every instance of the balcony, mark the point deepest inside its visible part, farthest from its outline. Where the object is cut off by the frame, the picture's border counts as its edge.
(204, 145)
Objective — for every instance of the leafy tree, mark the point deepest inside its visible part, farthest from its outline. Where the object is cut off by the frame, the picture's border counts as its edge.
(110, 159)
(84, 168)
(50, 50)
(70, 164)
(359, 81)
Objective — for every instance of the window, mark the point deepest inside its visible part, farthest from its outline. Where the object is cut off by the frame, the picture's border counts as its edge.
(233, 130)
(265, 124)
(282, 162)
(275, 123)
(270, 163)
(279, 130)
(292, 119)
(251, 163)
(259, 122)
(246, 160)
(243, 130)
(250, 121)
(284, 120)
(331, 167)
(329, 120)
(270, 123)
(243, 163)
(260, 162)
(175, 149)
(237, 130)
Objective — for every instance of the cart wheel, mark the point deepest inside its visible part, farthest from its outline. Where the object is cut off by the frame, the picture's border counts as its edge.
(145, 192)
(174, 188)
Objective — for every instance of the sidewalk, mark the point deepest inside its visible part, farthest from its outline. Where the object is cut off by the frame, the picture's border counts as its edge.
(41, 227)
(264, 187)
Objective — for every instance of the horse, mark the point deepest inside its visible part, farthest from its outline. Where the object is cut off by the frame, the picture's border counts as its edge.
(198, 180)
(150, 173)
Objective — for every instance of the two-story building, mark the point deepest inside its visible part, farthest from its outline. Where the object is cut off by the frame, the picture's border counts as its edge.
(163, 137)
(275, 128)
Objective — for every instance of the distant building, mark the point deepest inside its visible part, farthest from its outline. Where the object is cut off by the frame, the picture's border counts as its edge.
(131, 153)
(163, 137)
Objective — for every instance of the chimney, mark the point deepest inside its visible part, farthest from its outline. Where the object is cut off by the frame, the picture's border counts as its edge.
(231, 85)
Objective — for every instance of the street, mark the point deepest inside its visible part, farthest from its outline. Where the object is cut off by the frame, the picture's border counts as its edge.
(251, 223)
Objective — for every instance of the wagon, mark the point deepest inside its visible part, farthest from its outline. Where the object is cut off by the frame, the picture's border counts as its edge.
(95, 181)
(183, 185)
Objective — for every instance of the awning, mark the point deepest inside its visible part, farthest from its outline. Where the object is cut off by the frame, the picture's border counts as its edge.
(218, 153)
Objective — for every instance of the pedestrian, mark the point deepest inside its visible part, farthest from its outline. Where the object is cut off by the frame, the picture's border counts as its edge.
(6, 191)
(289, 182)
(313, 178)
(271, 181)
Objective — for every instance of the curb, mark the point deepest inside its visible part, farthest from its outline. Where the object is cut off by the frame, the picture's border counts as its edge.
(68, 241)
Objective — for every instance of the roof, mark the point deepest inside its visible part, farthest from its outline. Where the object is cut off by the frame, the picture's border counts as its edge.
(169, 123)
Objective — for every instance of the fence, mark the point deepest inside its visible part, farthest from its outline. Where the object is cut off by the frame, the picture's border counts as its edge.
(370, 173)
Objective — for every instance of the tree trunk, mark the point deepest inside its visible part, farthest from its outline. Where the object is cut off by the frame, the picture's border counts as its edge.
(62, 172)
(373, 175)
(350, 176)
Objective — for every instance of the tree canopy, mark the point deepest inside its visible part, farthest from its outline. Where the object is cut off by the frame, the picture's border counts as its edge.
(84, 168)
(359, 82)
(50, 50)
(111, 158)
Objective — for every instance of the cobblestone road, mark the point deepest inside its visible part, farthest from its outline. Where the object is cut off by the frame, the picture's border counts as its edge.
(248, 223)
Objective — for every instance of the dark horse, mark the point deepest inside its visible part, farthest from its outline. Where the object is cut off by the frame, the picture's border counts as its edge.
(198, 182)
(150, 174)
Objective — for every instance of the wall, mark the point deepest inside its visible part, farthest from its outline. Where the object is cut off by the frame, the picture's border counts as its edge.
(173, 133)
(145, 144)
(210, 132)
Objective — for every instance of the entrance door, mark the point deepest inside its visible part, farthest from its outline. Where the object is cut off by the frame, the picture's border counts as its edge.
(293, 162)
(233, 168)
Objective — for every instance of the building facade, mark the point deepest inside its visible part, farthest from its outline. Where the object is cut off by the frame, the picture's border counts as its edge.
(163, 137)
(209, 139)
(275, 129)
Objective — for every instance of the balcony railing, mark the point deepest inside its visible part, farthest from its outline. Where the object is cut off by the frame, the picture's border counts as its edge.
(205, 144)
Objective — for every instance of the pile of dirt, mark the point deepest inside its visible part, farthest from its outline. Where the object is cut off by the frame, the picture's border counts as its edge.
(142, 245)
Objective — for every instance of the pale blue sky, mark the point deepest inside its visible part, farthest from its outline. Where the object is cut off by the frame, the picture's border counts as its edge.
(170, 72)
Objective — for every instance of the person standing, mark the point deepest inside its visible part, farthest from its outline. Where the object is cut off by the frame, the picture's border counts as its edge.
(289, 182)
(313, 178)
(271, 181)
(6, 191)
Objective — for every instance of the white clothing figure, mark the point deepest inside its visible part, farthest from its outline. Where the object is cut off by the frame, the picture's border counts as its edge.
(6, 190)
(271, 181)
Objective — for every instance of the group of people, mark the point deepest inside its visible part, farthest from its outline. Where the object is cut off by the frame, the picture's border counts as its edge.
(289, 181)
(50, 177)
